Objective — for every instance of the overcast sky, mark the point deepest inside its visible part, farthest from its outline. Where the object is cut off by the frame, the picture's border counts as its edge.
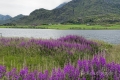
(25, 7)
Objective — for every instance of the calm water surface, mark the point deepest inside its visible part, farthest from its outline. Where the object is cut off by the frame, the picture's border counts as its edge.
(110, 36)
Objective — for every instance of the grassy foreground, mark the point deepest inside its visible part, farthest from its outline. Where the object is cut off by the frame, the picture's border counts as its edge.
(41, 53)
(64, 27)
(112, 51)
(86, 59)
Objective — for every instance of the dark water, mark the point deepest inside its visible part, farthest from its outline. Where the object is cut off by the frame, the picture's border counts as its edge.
(110, 36)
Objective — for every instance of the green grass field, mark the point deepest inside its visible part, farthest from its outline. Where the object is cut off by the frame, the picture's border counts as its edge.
(35, 58)
(112, 51)
(37, 54)
(73, 27)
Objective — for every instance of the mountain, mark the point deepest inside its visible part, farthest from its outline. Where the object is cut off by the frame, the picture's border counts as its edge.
(61, 5)
(4, 17)
(11, 20)
(77, 11)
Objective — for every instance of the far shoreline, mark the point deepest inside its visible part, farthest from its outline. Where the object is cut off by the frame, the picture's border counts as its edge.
(67, 27)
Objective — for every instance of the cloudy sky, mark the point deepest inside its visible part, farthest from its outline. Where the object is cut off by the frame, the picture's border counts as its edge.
(25, 7)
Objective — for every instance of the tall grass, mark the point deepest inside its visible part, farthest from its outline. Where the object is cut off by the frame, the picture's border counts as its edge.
(40, 53)
(114, 54)
(94, 69)
(67, 58)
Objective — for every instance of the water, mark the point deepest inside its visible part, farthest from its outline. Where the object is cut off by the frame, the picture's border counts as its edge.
(110, 36)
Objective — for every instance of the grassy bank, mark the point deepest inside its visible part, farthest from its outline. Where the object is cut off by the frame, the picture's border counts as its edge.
(112, 51)
(54, 55)
(73, 27)
(41, 53)
(114, 54)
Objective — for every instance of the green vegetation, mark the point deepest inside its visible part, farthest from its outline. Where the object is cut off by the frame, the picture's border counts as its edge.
(69, 26)
(8, 20)
(114, 54)
(73, 12)
(77, 12)
(37, 54)
(112, 51)
(58, 54)
(44, 54)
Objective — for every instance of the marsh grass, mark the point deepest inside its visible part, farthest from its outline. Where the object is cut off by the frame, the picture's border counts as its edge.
(39, 58)
(42, 54)
(112, 51)
(38, 62)
(114, 54)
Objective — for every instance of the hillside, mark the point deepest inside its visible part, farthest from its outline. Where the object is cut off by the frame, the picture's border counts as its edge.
(4, 17)
(61, 5)
(77, 11)
(11, 19)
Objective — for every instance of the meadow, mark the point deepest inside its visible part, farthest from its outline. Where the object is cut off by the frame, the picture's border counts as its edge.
(70, 57)
(69, 26)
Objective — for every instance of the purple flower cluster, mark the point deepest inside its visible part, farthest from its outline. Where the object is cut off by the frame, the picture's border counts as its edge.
(70, 43)
(95, 69)
(2, 71)
(76, 39)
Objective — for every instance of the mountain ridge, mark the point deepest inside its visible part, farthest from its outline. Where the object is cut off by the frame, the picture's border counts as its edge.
(61, 5)
(76, 11)
(4, 17)
(11, 19)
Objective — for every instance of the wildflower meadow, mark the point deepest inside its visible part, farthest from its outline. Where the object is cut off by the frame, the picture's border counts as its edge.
(70, 57)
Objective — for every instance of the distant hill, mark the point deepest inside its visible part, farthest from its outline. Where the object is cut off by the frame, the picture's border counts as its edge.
(11, 20)
(4, 17)
(77, 11)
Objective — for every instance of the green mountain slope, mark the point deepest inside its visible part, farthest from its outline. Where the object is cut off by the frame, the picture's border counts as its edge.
(4, 17)
(77, 11)
(11, 20)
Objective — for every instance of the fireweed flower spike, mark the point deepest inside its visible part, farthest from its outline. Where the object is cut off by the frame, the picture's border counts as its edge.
(84, 70)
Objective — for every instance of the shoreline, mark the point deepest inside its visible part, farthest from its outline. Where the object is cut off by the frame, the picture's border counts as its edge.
(68, 27)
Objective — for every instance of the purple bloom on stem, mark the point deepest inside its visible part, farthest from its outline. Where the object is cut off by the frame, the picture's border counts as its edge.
(83, 78)
(44, 76)
(30, 76)
(59, 75)
(23, 73)
(22, 44)
(2, 71)
(101, 74)
(12, 75)
(102, 61)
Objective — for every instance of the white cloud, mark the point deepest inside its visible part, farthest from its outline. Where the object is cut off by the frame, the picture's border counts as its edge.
(15, 7)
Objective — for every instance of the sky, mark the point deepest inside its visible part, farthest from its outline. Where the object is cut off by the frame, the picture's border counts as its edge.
(25, 7)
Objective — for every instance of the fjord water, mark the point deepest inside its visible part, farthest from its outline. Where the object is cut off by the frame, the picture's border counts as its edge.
(110, 36)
